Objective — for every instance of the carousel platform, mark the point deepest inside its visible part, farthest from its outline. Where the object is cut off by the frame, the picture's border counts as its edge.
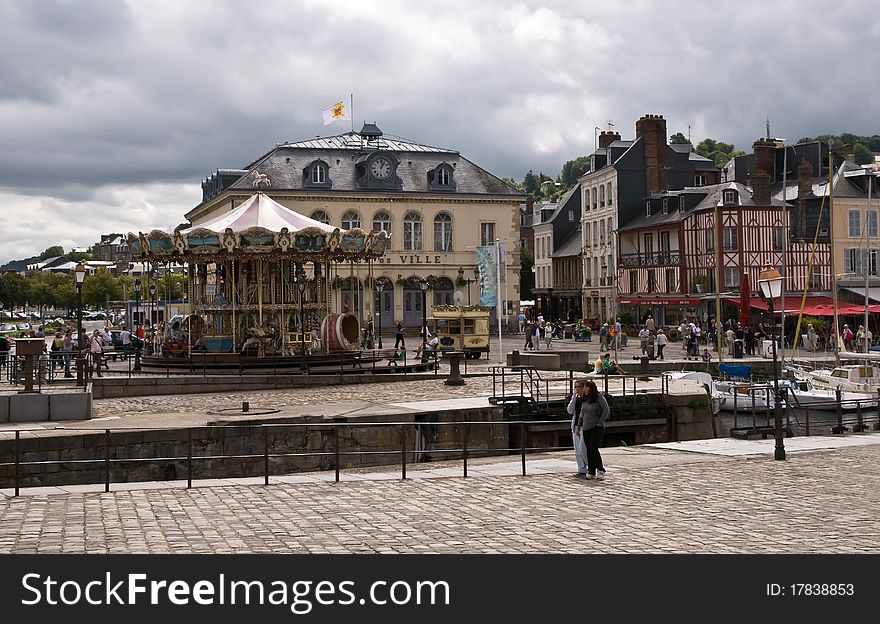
(348, 362)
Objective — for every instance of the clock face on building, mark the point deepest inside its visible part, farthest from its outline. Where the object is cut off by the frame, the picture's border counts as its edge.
(380, 168)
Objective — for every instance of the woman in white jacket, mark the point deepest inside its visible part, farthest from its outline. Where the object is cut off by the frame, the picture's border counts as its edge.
(574, 408)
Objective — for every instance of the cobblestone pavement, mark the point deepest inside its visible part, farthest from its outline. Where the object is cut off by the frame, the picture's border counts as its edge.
(820, 501)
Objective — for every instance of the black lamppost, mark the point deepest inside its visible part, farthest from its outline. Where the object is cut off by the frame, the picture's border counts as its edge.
(380, 286)
(468, 281)
(300, 280)
(770, 281)
(137, 314)
(80, 274)
(154, 303)
(550, 315)
(423, 284)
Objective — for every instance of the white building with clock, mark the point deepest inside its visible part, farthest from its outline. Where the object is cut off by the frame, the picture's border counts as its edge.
(437, 206)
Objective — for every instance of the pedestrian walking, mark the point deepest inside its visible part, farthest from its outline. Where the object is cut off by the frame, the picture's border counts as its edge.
(574, 408)
(652, 340)
(96, 349)
(547, 333)
(662, 340)
(67, 351)
(847, 337)
(521, 320)
(643, 339)
(603, 337)
(652, 327)
(530, 337)
(591, 425)
(398, 337)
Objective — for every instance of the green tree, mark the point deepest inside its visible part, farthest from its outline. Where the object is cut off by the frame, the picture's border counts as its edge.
(52, 252)
(79, 256)
(572, 170)
(863, 155)
(678, 139)
(100, 287)
(15, 290)
(41, 290)
(718, 151)
(526, 276)
(532, 184)
(171, 286)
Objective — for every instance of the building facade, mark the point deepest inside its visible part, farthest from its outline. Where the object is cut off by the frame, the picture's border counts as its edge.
(436, 205)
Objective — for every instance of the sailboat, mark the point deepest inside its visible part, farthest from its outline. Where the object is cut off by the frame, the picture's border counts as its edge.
(862, 377)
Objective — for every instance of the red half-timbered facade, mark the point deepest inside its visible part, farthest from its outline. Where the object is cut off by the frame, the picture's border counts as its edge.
(667, 261)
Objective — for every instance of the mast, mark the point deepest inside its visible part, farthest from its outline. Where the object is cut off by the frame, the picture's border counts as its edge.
(718, 274)
(868, 258)
(833, 254)
(785, 235)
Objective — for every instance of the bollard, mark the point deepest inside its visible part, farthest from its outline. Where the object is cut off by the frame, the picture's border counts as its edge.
(838, 428)
(189, 458)
(860, 425)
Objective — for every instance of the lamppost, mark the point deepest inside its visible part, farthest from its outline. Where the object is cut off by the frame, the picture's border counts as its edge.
(300, 280)
(550, 315)
(468, 281)
(380, 286)
(423, 284)
(770, 281)
(80, 274)
(137, 314)
(154, 303)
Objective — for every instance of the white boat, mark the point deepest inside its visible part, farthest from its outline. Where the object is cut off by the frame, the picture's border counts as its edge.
(802, 393)
(742, 396)
(704, 379)
(863, 379)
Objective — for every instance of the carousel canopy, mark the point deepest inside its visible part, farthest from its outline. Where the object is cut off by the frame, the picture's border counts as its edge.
(260, 210)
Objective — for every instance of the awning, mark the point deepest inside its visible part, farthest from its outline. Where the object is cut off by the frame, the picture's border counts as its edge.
(658, 300)
(813, 306)
(873, 293)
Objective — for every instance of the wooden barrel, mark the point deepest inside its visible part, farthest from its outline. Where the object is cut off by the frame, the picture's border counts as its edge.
(340, 332)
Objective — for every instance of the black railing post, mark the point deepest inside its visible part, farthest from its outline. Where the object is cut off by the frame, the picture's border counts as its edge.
(336, 450)
(106, 460)
(838, 428)
(265, 454)
(860, 425)
(464, 449)
(877, 424)
(403, 452)
(807, 424)
(522, 443)
(17, 462)
(189, 458)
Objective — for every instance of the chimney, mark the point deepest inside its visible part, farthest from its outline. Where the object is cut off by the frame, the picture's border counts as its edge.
(761, 189)
(607, 138)
(765, 157)
(805, 179)
(848, 151)
(652, 128)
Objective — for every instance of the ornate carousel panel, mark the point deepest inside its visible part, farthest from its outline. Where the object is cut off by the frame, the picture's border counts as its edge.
(202, 241)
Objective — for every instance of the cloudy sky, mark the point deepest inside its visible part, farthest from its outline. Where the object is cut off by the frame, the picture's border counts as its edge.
(112, 112)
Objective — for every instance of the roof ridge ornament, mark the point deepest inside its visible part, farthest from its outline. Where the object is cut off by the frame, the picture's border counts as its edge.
(260, 179)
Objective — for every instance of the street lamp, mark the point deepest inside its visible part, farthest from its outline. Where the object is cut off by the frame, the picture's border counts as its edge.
(476, 279)
(154, 303)
(380, 286)
(137, 314)
(550, 314)
(80, 274)
(300, 280)
(423, 284)
(468, 281)
(770, 281)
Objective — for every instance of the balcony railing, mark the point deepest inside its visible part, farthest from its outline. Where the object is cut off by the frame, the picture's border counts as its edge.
(659, 258)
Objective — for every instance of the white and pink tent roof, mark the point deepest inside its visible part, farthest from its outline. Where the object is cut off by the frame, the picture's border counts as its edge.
(261, 211)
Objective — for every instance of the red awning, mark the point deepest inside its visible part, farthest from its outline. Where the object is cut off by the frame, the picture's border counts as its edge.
(813, 306)
(658, 300)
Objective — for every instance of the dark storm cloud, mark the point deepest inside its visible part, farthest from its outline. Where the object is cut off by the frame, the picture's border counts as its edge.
(103, 99)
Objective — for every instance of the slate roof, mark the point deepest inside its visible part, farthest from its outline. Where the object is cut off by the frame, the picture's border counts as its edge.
(284, 166)
(571, 246)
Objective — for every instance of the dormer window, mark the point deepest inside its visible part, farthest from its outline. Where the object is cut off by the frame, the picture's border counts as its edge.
(648, 208)
(441, 178)
(317, 175)
(699, 180)
(665, 208)
(730, 197)
(681, 203)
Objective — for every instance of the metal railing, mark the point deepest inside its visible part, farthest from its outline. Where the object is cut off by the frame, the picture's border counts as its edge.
(406, 451)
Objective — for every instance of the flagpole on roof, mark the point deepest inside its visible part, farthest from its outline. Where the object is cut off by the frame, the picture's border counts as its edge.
(351, 105)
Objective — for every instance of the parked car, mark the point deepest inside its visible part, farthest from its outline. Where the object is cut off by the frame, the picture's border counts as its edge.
(8, 328)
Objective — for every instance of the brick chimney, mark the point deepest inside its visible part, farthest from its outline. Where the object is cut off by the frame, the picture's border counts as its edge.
(652, 129)
(805, 179)
(607, 138)
(765, 157)
(761, 189)
(848, 151)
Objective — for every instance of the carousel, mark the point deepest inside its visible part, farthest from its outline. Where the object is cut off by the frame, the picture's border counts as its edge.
(258, 288)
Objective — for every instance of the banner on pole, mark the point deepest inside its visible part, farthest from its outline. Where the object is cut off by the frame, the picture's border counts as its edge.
(488, 280)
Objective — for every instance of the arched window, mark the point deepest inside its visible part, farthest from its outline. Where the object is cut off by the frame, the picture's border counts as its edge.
(412, 232)
(351, 220)
(443, 291)
(319, 174)
(382, 222)
(320, 215)
(442, 232)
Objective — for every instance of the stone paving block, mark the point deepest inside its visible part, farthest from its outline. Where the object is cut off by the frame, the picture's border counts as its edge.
(28, 407)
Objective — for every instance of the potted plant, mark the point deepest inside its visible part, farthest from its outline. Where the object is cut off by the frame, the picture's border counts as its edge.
(701, 283)
(582, 332)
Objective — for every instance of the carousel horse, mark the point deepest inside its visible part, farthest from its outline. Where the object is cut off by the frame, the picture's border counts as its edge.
(256, 337)
(260, 179)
